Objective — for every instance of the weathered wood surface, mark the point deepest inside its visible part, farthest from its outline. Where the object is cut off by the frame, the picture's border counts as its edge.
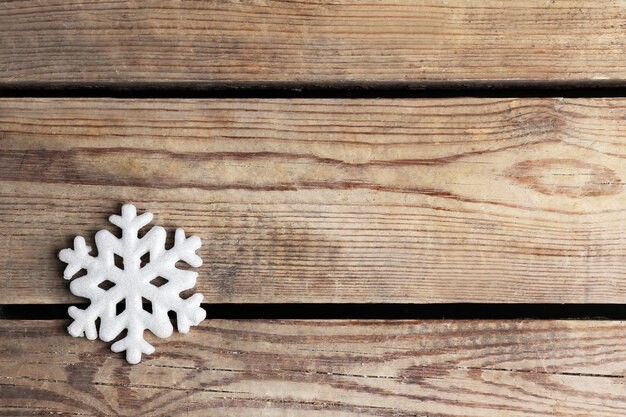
(323, 368)
(323, 41)
(438, 200)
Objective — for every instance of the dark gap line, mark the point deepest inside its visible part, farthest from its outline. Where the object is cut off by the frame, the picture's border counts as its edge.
(453, 311)
(349, 90)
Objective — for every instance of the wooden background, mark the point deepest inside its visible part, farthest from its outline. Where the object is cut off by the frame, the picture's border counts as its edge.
(315, 41)
(486, 199)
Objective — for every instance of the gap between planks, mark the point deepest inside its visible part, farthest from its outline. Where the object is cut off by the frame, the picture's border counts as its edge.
(338, 311)
(325, 90)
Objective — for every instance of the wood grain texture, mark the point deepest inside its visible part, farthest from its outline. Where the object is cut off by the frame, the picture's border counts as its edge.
(431, 200)
(323, 368)
(318, 41)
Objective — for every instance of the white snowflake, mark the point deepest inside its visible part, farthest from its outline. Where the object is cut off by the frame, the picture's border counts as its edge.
(131, 283)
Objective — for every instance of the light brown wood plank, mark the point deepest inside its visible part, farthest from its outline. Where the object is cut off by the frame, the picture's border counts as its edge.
(432, 200)
(323, 368)
(318, 42)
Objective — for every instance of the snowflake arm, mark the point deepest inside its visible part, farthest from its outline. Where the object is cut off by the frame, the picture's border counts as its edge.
(133, 284)
(77, 258)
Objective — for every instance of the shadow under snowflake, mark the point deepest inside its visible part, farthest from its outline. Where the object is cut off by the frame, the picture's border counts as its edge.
(129, 287)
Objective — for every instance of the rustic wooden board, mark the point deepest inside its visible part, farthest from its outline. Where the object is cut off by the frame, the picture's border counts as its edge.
(432, 200)
(339, 41)
(323, 368)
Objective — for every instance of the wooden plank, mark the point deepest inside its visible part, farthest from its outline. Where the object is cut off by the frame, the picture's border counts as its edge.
(323, 368)
(339, 41)
(432, 200)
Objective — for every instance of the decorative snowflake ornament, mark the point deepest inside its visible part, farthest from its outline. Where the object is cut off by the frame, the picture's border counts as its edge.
(108, 286)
